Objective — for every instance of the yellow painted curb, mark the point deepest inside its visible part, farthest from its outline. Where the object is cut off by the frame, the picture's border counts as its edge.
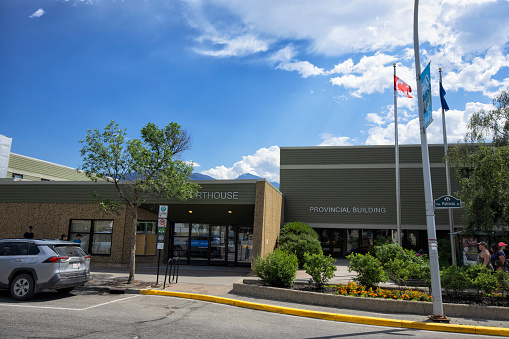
(481, 330)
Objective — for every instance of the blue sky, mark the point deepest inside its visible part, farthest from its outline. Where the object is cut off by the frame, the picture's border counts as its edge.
(242, 77)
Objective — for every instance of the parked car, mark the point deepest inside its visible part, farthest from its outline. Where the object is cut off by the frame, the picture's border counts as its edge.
(28, 266)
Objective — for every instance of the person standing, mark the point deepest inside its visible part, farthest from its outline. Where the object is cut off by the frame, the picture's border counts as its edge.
(484, 256)
(495, 255)
(64, 237)
(78, 239)
(29, 234)
(501, 246)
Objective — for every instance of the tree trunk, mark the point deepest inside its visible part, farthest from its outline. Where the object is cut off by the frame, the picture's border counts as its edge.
(132, 260)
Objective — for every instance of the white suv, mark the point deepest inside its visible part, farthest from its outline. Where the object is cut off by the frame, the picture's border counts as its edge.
(28, 266)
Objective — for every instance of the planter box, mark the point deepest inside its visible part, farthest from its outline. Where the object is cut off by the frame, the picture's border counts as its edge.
(368, 304)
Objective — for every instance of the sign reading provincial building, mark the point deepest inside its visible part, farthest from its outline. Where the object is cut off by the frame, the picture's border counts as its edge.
(353, 210)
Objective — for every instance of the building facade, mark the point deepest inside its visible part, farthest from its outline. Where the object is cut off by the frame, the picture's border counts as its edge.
(228, 223)
(348, 194)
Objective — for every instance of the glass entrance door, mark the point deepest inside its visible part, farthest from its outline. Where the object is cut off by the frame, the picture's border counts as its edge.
(218, 241)
(200, 244)
(245, 245)
(331, 241)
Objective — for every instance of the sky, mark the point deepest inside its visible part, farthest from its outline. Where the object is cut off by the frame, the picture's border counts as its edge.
(244, 78)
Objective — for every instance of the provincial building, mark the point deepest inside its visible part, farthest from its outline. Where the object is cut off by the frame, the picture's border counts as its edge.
(347, 194)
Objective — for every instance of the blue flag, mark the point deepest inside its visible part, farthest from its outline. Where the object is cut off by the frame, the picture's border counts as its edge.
(442, 98)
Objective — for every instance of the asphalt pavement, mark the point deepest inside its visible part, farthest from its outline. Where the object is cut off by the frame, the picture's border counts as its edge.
(218, 282)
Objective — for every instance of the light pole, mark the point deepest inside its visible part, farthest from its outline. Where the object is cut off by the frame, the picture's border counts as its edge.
(436, 289)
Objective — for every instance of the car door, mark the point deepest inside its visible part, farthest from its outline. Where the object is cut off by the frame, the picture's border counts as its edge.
(13, 254)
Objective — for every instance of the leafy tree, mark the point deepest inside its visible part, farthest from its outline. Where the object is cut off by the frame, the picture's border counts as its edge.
(482, 166)
(139, 168)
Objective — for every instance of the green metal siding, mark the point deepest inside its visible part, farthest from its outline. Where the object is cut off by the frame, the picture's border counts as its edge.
(81, 192)
(365, 179)
(35, 169)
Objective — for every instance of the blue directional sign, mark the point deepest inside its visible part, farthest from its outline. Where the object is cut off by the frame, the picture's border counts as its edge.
(447, 201)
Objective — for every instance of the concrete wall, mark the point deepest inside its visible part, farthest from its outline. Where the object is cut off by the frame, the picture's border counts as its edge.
(267, 220)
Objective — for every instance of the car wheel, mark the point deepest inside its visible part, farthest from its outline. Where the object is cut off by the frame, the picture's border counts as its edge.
(65, 290)
(23, 287)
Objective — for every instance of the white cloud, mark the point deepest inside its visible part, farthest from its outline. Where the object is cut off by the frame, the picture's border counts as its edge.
(371, 74)
(236, 46)
(37, 14)
(304, 68)
(264, 163)
(456, 124)
(331, 140)
(456, 34)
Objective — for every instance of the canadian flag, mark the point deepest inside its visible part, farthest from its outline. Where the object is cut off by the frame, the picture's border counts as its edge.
(402, 86)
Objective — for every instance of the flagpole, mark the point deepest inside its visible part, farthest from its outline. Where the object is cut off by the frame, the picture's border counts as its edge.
(436, 289)
(448, 182)
(396, 144)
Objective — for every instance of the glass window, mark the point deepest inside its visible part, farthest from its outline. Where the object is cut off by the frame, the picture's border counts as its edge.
(182, 229)
(96, 235)
(146, 241)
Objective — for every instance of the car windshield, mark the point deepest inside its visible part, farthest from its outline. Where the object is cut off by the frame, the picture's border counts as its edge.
(69, 251)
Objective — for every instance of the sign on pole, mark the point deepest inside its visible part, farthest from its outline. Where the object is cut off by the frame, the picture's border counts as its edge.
(163, 212)
(426, 95)
(447, 201)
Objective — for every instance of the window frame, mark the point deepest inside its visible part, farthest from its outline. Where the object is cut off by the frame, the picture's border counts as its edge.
(91, 234)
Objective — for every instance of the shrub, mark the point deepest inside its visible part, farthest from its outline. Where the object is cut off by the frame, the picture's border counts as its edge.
(299, 238)
(454, 278)
(320, 268)
(279, 268)
(298, 228)
(444, 253)
(387, 251)
(503, 280)
(369, 269)
(486, 281)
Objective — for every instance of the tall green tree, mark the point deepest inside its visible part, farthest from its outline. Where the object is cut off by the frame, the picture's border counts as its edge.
(482, 166)
(139, 168)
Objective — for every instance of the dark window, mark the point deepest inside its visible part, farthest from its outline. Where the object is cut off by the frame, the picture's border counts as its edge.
(16, 176)
(14, 248)
(96, 235)
(42, 179)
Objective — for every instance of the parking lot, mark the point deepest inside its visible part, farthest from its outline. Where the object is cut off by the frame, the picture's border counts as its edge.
(88, 314)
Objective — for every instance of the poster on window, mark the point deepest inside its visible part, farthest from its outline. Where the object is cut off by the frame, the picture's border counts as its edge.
(470, 251)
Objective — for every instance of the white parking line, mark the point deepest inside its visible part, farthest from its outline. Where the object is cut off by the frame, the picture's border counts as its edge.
(68, 308)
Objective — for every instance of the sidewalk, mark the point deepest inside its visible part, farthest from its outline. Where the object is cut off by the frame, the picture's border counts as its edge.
(218, 282)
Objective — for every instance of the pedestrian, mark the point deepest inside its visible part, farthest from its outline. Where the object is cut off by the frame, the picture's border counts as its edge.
(501, 246)
(484, 256)
(29, 234)
(495, 254)
(64, 237)
(78, 239)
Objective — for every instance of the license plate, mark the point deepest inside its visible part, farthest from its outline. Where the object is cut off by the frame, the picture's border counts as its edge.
(76, 265)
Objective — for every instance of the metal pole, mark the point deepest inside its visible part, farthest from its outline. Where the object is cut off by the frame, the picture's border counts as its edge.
(158, 262)
(448, 181)
(436, 289)
(398, 191)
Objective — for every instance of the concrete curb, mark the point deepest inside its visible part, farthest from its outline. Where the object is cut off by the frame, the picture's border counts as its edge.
(480, 330)
(369, 304)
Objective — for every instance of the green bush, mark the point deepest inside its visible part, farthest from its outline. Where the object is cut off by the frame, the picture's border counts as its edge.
(298, 228)
(444, 253)
(386, 252)
(369, 269)
(278, 268)
(299, 238)
(320, 268)
(486, 281)
(503, 280)
(454, 278)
